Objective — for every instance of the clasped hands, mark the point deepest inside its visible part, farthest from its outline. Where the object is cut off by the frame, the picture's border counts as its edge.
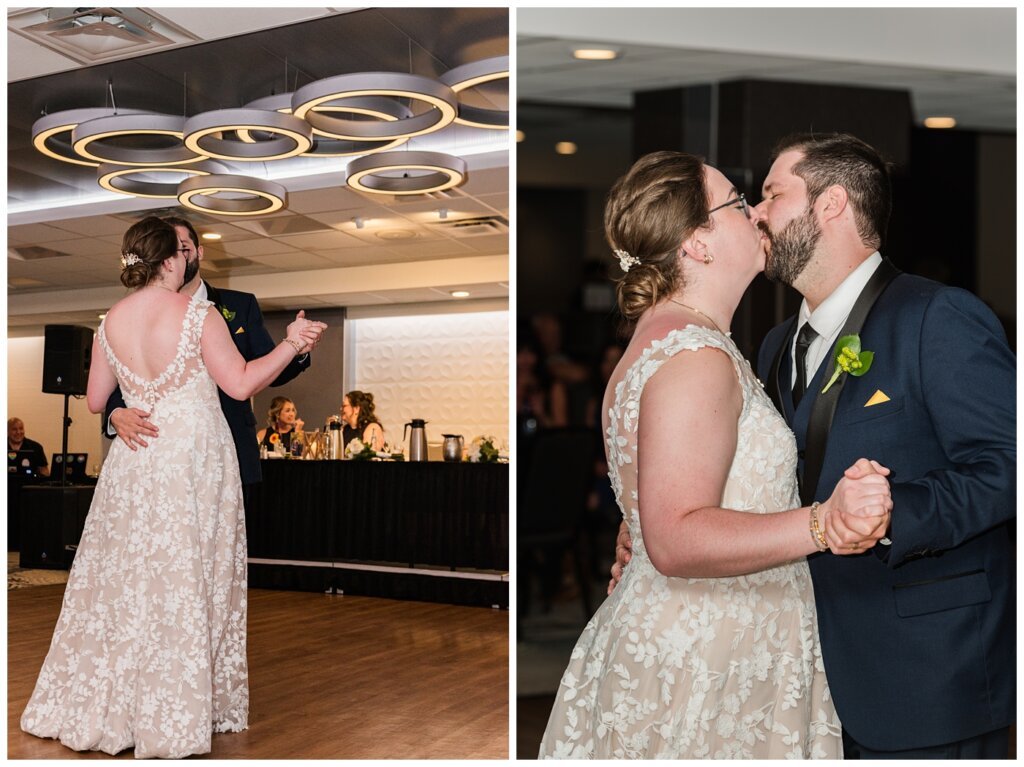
(857, 514)
(854, 518)
(306, 333)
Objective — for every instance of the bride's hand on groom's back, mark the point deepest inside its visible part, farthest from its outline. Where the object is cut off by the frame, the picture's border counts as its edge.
(858, 513)
(623, 553)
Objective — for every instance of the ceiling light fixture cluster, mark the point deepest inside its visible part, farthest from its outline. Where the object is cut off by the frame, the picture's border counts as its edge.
(365, 115)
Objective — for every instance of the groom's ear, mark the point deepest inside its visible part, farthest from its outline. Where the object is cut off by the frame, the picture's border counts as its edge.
(836, 201)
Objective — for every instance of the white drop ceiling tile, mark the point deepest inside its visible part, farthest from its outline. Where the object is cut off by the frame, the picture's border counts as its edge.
(342, 217)
(261, 246)
(292, 261)
(211, 23)
(486, 181)
(314, 241)
(354, 299)
(347, 256)
(335, 198)
(487, 244)
(428, 211)
(39, 234)
(418, 251)
(96, 226)
(498, 202)
(87, 246)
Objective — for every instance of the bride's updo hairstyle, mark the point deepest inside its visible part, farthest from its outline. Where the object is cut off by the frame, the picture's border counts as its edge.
(650, 211)
(146, 245)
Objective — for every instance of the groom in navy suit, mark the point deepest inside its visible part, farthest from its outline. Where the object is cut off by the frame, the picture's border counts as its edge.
(918, 634)
(242, 314)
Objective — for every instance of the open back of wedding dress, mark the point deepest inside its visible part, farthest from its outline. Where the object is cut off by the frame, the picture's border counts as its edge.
(149, 649)
(699, 667)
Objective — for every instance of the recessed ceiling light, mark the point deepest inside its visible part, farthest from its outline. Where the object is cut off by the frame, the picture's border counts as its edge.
(520, 136)
(101, 316)
(460, 294)
(939, 122)
(565, 147)
(211, 236)
(595, 54)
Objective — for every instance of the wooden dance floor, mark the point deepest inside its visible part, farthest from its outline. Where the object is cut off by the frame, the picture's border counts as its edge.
(329, 677)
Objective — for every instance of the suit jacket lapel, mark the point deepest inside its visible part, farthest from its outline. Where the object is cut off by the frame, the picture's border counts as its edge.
(774, 386)
(824, 407)
(218, 300)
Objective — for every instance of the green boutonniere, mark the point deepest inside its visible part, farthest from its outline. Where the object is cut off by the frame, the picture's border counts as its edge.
(849, 359)
(227, 314)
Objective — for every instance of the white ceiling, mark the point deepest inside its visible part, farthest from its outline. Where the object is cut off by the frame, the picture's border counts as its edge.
(64, 240)
(958, 62)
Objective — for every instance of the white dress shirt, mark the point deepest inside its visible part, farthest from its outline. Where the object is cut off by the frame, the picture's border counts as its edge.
(830, 316)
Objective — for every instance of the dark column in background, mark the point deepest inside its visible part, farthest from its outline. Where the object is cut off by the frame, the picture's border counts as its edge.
(742, 121)
(549, 248)
(317, 391)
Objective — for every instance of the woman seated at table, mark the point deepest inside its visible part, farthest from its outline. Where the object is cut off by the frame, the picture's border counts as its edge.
(282, 424)
(359, 420)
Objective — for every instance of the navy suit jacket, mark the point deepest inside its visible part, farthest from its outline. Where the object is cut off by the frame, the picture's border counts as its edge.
(245, 321)
(918, 638)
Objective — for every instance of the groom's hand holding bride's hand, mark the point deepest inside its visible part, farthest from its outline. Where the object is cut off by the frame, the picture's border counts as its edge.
(306, 332)
(859, 510)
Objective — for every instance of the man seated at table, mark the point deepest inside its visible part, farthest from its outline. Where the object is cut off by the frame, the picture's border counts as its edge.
(24, 455)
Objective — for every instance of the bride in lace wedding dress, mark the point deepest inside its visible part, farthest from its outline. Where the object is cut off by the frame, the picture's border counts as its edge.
(149, 649)
(708, 647)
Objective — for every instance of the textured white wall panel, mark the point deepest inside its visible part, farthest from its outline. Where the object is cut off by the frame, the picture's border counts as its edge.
(450, 370)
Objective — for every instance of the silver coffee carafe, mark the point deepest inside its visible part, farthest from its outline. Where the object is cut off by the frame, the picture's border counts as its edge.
(417, 439)
(451, 451)
(335, 447)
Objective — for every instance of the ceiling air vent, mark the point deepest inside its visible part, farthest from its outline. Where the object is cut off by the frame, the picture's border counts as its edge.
(471, 227)
(94, 35)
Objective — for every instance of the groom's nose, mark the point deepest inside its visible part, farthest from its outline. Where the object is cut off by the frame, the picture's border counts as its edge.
(757, 213)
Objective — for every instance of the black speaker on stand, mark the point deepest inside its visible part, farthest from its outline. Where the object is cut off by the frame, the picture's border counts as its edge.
(67, 352)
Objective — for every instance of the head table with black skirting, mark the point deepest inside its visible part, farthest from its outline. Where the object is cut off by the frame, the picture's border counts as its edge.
(422, 530)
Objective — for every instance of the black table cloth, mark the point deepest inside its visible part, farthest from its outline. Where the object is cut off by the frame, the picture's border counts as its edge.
(453, 515)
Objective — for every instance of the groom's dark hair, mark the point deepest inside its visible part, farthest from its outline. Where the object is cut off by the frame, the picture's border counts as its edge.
(177, 221)
(844, 160)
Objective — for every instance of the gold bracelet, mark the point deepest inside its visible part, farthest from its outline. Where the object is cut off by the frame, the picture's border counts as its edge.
(817, 535)
(296, 345)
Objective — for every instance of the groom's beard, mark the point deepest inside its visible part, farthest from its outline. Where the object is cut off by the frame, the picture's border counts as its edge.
(790, 249)
(191, 270)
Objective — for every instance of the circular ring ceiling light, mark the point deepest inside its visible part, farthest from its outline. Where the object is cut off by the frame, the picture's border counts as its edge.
(380, 108)
(202, 134)
(470, 76)
(118, 178)
(199, 193)
(87, 140)
(437, 172)
(47, 130)
(441, 100)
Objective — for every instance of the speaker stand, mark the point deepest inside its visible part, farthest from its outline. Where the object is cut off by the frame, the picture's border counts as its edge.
(64, 444)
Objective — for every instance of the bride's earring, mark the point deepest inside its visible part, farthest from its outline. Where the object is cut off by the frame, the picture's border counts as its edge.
(708, 258)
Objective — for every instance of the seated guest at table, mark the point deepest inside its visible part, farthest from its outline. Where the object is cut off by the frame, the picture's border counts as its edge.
(282, 424)
(24, 455)
(359, 420)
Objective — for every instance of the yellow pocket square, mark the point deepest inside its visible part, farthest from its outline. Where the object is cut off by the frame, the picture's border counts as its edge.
(877, 398)
(240, 330)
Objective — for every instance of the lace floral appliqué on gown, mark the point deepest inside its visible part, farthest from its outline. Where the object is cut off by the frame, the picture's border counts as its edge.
(149, 649)
(700, 667)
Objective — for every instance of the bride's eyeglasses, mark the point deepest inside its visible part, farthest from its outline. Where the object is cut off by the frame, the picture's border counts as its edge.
(739, 200)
